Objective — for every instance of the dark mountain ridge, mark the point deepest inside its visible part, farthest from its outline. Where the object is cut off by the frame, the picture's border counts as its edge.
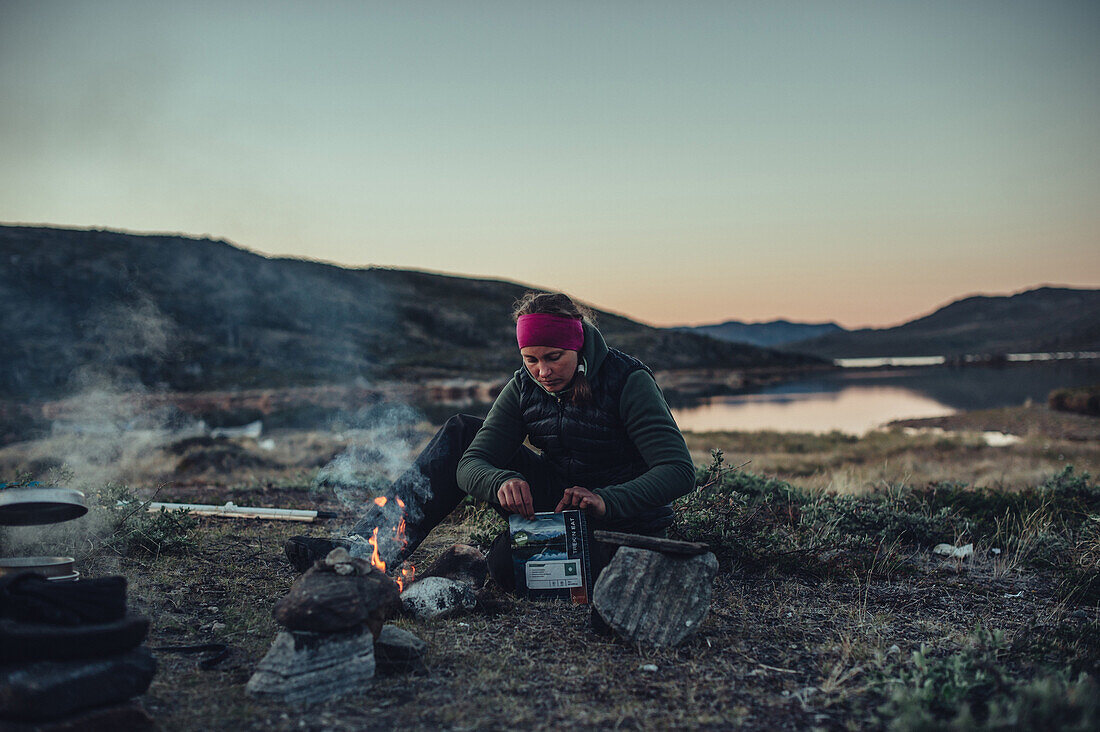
(192, 314)
(771, 333)
(1045, 319)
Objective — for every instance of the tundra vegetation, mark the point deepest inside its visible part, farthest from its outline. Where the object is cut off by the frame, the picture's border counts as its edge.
(830, 609)
(1082, 400)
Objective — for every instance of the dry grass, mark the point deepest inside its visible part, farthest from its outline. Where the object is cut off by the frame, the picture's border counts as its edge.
(841, 464)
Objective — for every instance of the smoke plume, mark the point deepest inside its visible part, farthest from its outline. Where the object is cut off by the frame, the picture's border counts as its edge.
(107, 428)
(378, 464)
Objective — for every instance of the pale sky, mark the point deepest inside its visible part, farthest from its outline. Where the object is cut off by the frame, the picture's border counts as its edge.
(687, 162)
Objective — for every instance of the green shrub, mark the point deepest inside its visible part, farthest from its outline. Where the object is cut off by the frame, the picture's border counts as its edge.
(1048, 703)
(1044, 517)
(1082, 400)
(734, 511)
(883, 519)
(762, 489)
(983, 509)
(1072, 491)
(973, 689)
(766, 524)
(743, 517)
(134, 530)
(1081, 585)
(763, 522)
(940, 692)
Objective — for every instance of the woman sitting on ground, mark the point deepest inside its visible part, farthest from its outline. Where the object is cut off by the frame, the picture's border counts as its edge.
(607, 440)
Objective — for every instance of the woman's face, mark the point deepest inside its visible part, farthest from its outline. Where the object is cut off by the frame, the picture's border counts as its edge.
(551, 367)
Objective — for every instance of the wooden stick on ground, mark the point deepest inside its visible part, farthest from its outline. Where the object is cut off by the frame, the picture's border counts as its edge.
(665, 546)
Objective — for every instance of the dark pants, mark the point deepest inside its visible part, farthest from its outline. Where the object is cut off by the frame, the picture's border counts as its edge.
(429, 491)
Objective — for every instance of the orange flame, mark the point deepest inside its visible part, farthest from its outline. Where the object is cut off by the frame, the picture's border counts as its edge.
(408, 571)
(375, 558)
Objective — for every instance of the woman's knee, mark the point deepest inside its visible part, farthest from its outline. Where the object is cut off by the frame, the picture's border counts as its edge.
(462, 424)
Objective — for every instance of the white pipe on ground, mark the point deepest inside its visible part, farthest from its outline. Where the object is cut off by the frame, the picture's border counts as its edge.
(234, 511)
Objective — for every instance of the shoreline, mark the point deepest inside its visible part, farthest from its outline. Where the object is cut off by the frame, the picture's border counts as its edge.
(1022, 421)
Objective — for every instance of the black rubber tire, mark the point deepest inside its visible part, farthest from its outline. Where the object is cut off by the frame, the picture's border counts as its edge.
(27, 642)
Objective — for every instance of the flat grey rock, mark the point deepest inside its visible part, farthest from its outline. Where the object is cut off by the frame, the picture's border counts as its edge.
(397, 651)
(438, 597)
(654, 599)
(307, 668)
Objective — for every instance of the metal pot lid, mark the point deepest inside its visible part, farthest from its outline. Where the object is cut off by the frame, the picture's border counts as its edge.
(35, 506)
(46, 566)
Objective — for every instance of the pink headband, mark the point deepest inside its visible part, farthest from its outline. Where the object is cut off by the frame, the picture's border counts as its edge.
(554, 331)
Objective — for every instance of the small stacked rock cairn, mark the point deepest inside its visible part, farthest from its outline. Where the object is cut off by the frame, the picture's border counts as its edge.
(335, 638)
(654, 592)
(71, 656)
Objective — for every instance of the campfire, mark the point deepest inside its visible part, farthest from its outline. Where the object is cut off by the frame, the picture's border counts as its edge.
(332, 616)
(407, 572)
(335, 635)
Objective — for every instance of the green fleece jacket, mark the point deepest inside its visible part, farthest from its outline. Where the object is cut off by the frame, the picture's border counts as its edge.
(648, 422)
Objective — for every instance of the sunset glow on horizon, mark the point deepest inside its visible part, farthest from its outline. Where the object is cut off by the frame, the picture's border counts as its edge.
(856, 162)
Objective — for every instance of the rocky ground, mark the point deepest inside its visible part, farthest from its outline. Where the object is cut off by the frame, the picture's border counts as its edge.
(774, 653)
(785, 646)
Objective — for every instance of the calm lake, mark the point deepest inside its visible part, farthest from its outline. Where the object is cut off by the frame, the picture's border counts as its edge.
(860, 399)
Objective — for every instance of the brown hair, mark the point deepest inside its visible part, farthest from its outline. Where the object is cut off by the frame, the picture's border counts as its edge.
(552, 303)
(557, 303)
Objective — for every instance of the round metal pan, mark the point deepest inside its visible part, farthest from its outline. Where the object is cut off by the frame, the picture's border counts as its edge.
(34, 506)
(59, 567)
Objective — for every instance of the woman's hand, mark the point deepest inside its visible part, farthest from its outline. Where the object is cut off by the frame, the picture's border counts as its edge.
(515, 495)
(577, 497)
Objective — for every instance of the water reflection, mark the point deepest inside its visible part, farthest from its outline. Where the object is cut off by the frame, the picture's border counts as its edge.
(853, 409)
(855, 401)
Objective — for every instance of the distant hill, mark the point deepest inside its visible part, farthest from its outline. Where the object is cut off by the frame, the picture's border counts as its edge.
(196, 314)
(1040, 320)
(773, 333)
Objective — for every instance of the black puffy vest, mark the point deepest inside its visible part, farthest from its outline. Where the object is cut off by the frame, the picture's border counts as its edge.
(588, 444)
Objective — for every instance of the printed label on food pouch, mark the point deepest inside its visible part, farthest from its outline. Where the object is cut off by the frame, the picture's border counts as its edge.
(555, 574)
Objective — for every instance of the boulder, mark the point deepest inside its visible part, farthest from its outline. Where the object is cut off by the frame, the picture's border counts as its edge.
(437, 597)
(307, 668)
(462, 563)
(46, 690)
(653, 599)
(398, 651)
(337, 594)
